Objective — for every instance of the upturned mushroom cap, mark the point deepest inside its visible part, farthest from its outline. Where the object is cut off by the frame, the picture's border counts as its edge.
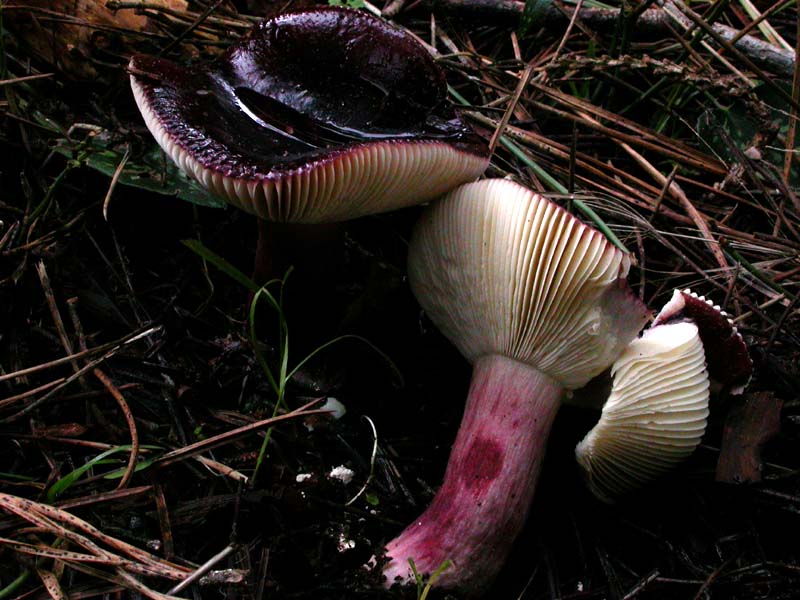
(729, 363)
(656, 413)
(502, 270)
(316, 116)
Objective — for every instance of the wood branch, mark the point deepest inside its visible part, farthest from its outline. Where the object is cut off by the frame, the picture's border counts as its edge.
(652, 22)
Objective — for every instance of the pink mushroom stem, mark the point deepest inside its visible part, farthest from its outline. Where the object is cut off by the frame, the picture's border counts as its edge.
(490, 478)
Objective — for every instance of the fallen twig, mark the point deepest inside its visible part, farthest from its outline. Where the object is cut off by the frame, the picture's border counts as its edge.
(650, 23)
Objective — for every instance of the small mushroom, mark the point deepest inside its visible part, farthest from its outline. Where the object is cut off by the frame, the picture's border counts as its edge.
(316, 116)
(656, 413)
(538, 303)
(729, 364)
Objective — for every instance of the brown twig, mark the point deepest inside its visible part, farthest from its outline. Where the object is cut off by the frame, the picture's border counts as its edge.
(112, 347)
(72, 304)
(722, 39)
(228, 436)
(651, 22)
(393, 9)
(25, 78)
(203, 569)
(677, 192)
(85, 535)
(162, 510)
(129, 420)
(512, 104)
(793, 112)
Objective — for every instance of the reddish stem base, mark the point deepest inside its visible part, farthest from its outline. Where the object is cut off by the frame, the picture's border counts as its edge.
(489, 482)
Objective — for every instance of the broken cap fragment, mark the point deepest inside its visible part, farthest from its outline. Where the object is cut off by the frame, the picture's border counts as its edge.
(655, 415)
(729, 362)
(316, 116)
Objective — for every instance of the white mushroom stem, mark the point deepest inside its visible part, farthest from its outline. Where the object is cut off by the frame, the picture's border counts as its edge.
(489, 482)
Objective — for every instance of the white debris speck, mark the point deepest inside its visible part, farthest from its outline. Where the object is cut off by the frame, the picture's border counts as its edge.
(344, 544)
(336, 408)
(753, 153)
(580, 586)
(301, 477)
(341, 473)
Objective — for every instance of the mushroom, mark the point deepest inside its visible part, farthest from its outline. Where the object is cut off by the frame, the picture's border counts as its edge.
(537, 301)
(316, 116)
(656, 413)
(729, 363)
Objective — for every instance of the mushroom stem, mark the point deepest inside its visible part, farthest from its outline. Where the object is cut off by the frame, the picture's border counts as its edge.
(262, 263)
(282, 245)
(489, 482)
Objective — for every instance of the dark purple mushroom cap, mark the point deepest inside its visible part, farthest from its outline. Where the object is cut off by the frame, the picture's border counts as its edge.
(316, 116)
(727, 359)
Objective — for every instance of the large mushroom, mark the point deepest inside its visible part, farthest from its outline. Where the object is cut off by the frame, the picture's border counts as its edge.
(316, 116)
(537, 301)
(656, 413)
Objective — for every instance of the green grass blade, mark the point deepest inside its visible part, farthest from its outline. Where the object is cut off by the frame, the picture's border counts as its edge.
(61, 485)
(432, 579)
(222, 264)
(349, 336)
(12, 589)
